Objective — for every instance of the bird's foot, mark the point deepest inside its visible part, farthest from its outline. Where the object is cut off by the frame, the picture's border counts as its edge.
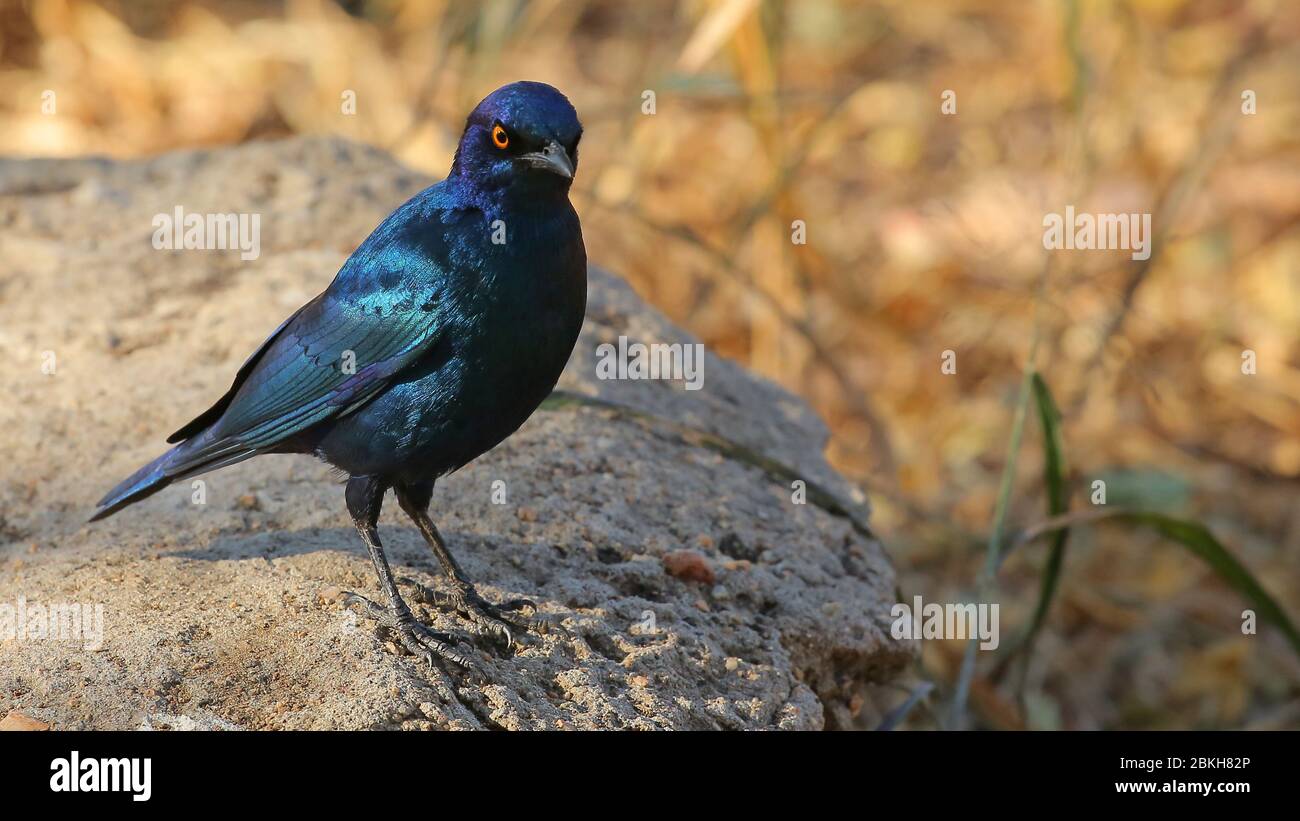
(488, 619)
(419, 639)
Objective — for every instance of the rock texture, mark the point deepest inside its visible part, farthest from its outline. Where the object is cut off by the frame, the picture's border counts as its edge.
(654, 526)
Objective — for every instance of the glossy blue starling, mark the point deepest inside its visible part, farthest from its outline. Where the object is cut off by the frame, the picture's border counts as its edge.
(438, 337)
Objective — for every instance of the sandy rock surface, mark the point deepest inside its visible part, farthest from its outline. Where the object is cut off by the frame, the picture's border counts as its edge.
(654, 526)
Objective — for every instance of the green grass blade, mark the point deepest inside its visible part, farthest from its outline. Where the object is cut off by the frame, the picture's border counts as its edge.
(897, 715)
(1201, 543)
(988, 577)
(1057, 503)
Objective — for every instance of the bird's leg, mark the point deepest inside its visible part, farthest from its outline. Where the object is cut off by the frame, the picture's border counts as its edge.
(365, 496)
(487, 617)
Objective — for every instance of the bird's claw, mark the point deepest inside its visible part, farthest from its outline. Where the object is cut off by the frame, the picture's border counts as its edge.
(417, 638)
(486, 617)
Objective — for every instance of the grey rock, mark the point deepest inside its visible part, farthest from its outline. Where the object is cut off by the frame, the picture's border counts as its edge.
(225, 615)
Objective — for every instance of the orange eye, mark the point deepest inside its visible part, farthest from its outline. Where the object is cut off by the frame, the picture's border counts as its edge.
(499, 137)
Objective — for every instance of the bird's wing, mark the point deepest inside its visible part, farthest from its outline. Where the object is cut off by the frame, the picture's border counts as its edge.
(336, 353)
(212, 414)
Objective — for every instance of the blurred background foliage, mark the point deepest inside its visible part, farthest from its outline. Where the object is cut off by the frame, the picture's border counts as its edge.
(924, 235)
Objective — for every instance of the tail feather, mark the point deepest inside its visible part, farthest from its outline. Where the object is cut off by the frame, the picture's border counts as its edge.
(145, 482)
(174, 465)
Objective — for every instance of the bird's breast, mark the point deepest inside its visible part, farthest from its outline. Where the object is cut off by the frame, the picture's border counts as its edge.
(509, 324)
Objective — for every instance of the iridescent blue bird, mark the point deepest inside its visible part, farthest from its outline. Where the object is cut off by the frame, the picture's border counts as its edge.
(438, 337)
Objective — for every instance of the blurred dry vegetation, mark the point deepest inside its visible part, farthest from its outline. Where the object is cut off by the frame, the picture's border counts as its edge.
(924, 235)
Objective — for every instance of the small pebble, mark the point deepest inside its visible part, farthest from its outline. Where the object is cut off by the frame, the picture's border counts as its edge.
(688, 566)
(17, 721)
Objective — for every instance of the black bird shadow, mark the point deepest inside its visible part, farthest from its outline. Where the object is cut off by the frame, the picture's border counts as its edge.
(406, 550)
(618, 592)
(243, 543)
(418, 573)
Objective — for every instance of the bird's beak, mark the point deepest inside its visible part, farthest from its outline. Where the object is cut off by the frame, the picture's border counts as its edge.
(552, 158)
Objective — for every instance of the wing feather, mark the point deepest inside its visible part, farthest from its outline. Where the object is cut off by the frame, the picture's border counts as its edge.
(383, 308)
(306, 384)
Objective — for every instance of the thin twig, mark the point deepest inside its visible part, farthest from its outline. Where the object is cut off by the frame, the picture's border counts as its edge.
(1171, 199)
(823, 355)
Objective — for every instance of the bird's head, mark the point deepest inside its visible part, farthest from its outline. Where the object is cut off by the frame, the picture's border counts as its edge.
(522, 137)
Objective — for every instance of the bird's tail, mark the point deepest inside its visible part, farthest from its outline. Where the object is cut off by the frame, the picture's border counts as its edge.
(187, 459)
(145, 482)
